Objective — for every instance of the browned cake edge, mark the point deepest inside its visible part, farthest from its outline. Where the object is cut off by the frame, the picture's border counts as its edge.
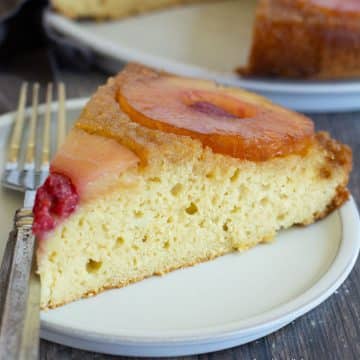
(338, 155)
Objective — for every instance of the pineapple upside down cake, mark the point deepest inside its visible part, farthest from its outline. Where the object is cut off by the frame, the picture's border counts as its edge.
(162, 172)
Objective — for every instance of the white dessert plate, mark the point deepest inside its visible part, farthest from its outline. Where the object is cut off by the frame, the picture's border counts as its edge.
(206, 40)
(216, 305)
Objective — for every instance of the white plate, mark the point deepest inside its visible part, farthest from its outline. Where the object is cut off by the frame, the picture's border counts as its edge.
(223, 303)
(206, 40)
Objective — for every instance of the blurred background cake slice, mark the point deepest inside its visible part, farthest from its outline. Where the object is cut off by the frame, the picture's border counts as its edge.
(306, 39)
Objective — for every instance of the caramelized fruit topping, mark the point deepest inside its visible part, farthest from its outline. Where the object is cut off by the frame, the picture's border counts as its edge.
(85, 166)
(92, 162)
(220, 118)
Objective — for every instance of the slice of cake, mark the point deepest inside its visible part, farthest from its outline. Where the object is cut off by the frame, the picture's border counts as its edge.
(162, 172)
(306, 39)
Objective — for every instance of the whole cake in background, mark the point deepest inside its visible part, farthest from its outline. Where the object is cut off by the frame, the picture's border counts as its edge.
(162, 172)
(291, 38)
(306, 39)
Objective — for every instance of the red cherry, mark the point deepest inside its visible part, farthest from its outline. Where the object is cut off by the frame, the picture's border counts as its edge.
(55, 200)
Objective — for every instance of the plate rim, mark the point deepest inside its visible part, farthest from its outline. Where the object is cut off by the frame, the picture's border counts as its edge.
(75, 31)
(326, 285)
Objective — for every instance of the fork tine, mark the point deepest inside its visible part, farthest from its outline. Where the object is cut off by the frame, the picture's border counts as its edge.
(13, 155)
(46, 134)
(61, 123)
(30, 151)
(28, 176)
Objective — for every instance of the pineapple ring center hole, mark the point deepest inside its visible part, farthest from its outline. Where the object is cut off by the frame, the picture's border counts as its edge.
(236, 110)
(218, 104)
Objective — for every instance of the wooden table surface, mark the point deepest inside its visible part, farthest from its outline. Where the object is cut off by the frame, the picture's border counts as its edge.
(331, 331)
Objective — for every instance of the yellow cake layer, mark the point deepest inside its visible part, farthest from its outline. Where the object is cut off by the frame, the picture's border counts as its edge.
(171, 214)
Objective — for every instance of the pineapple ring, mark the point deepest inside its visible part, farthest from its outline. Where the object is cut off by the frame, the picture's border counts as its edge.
(229, 121)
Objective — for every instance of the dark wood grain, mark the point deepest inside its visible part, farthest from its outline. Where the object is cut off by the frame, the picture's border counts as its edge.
(331, 331)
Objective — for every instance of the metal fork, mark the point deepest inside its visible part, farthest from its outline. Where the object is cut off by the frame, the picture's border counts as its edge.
(26, 168)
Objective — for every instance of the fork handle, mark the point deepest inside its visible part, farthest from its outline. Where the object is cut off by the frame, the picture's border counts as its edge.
(19, 329)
